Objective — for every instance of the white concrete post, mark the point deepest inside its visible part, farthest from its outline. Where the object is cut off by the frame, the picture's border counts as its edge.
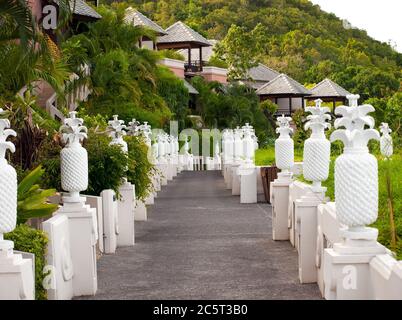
(238, 155)
(284, 157)
(82, 219)
(246, 171)
(228, 151)
(346, 265)
(317, 150)
(17, 281)
(123, 224)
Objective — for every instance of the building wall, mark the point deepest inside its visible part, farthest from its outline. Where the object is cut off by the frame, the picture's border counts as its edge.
(214, 74)
(36, 6)
(176, 66)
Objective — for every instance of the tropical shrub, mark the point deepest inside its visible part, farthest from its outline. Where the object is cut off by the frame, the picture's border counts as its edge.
(106, 164)
(34, 241)
(140, 169)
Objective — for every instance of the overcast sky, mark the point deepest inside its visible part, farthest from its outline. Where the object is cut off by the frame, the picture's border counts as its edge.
(382, 19)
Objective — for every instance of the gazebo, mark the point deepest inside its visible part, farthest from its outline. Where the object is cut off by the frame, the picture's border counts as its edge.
(136, 18)
(286, 92)
(181, 36)
(259, 76)
(329, 91)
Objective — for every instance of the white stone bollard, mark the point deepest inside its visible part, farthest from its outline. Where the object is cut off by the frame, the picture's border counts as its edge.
(238, 154)
(110, 221)
(228, 145)
(140, 211)
(82, 218)
(96, 203)
(17, 280)
(317, 150)
(346, 265)
(284, 157)
(246, 171)
(60, 286)
(386, 277)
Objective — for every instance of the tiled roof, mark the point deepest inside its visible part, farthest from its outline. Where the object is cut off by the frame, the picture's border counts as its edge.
(283, 84)
(81, 8)
(207, 52)
(179, 32)
(328, 88)
(138, 19)
(190, 88)
(262, 73)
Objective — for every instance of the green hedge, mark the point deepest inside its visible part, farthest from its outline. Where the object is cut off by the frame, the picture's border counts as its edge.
(34, 241)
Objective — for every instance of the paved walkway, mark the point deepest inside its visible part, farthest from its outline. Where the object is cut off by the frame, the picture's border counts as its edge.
(200, 243)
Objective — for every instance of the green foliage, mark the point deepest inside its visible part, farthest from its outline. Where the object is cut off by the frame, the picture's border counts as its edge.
(32, 200)
(125, 79)
(140, 170)
(106, 164)
(300, 135)
(294, 37)
(175, 94)
(34, 241)
(266, 156)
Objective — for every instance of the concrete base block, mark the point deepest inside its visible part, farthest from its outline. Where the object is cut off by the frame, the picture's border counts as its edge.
(235, 180)
(347, 265)
(110, 221)
(83, 238)
(386, 277)
(248, 185)
(306, 234)
(17, 278)
(60, 286)
(125, 210)
(279, 201)
(140, 211)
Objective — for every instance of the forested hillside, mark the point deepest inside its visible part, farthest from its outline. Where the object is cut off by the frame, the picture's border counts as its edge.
(292, 36)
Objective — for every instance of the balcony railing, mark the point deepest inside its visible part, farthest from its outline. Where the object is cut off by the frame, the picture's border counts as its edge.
(194, 66)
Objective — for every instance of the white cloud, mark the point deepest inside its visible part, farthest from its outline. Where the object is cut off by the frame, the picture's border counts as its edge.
(381, 19)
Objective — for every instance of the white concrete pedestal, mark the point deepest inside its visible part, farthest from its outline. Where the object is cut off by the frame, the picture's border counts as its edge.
(280, 201)
(17, 279)
(156, 181)
(125, 210)
(83, 237)
(248, 184)
(235, 180)
(347, 265)
(110, 221)
(306, 234)
(150, 199)
(60, 286)
(163, 167)
(140, 211)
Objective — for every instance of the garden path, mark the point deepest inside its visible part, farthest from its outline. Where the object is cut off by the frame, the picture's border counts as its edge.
(200, 243)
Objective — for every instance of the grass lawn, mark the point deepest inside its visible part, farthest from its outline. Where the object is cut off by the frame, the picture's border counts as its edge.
(392, 168)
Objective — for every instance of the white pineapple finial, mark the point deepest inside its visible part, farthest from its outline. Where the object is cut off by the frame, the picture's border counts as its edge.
(284, 146)
(74, 158)
(5, 133)
(356, 170)
(317, 121)
(317, 148)
(117, 127)
(386, 144)
(283, 123)
(354, 119)
(133, 127)
(73, 131)
(8, 186)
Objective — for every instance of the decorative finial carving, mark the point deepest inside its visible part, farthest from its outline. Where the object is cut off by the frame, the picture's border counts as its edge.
(73, 131)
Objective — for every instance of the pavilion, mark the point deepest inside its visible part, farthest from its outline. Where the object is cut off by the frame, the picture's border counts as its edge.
(259, 75)
(136, 18)
(329, 91)
(286, 92)
(181, 36)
